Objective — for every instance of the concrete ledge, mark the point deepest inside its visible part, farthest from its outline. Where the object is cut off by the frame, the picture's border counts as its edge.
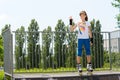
(101, 75)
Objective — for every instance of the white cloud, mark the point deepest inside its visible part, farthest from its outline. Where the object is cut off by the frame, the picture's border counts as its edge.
(3, 0)
(3, 17)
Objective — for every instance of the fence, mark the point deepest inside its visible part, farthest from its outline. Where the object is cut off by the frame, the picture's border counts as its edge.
(53, 52)
(8, 53)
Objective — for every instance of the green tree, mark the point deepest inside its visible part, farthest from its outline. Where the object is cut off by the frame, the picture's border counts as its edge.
(97, 48)
(6, 27)
(19, 48)
(46, 47)
(59, 39)
(1, 51)
(33, 59)
(116, 4)
(70, 48)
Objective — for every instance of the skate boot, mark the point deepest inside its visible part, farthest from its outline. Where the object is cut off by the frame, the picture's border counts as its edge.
(79, 67)
(89, 67)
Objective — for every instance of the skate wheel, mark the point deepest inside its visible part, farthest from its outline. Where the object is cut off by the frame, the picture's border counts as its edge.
(80, 73)
(89, 73)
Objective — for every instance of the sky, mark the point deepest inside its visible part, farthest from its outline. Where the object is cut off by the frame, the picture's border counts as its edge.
(47, 12)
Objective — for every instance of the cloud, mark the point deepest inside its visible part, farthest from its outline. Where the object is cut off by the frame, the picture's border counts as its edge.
(3, 17)
(3, 0)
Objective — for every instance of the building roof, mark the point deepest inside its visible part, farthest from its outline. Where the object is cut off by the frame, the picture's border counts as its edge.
(115, 34)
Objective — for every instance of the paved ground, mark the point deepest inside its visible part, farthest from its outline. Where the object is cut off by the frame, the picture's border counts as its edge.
(65, 74)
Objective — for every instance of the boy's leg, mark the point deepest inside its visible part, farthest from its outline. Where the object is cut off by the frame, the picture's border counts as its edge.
(79, 52)
(78, 59)
(88, 59)
(89, 64)
(79, 66)
(87, 48)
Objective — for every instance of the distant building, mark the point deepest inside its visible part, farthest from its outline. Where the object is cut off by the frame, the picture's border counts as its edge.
(115, 41)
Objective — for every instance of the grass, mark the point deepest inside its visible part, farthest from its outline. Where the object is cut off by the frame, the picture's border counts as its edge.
(1, 75)
(49, 70)
(58, 70)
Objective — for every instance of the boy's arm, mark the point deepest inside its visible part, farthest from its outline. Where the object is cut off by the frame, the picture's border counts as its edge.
(71, 24)
(90, 34)
(72, 28)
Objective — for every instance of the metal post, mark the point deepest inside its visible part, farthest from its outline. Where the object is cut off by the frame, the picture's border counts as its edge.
(12, 57)
(52, 51)
(110, 51)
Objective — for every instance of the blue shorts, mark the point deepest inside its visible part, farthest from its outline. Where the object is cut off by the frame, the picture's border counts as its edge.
(86, 43)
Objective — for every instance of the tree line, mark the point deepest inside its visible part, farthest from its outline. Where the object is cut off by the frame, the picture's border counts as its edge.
(58, 48)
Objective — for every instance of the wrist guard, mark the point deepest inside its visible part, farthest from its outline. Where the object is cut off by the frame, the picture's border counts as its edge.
(70, 21)
(91, 40)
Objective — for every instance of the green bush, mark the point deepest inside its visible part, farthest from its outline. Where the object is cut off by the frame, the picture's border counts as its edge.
(1, 75)
(116, 60)
(1, 63)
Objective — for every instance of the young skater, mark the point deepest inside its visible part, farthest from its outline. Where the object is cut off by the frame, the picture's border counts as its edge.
(84, 38)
